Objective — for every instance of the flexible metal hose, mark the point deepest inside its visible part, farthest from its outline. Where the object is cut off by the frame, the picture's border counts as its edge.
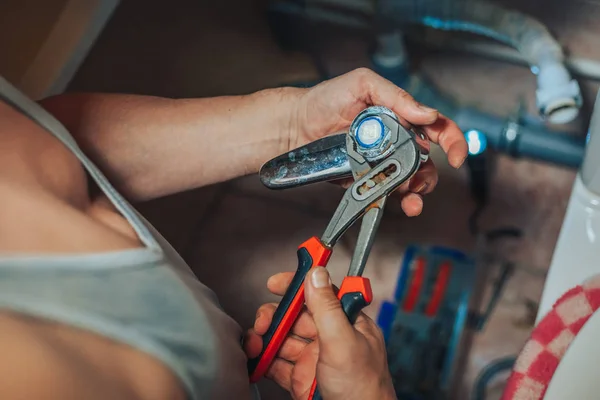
(558, 95)
(530, 37)
(526, 34)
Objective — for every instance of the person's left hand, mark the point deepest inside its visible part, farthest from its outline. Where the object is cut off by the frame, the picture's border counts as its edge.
(349, 361)
(331, 106)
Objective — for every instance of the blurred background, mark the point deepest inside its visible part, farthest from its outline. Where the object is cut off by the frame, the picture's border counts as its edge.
(236, 234)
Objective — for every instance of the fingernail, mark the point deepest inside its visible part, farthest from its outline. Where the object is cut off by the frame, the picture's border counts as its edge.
(425, 108)
(320, 278)
(422, 187)
(457, 162)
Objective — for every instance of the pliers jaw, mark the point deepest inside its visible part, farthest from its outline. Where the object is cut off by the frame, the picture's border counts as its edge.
(377, 171)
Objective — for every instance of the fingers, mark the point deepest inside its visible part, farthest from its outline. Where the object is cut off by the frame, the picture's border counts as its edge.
(366, 326)
(332, 324)
(281, 372)
(290, 350)
(252, 344)
(446, 133)
(278, 283)
(423, 182)
(296, 380)
(425, 179)
(303, 327)
(374, 89)
(412, 204)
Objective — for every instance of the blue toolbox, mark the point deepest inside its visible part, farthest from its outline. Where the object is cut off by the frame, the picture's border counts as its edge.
(424, 323)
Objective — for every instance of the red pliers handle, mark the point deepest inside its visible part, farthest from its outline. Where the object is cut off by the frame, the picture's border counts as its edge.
(312, 253)
(354, 294)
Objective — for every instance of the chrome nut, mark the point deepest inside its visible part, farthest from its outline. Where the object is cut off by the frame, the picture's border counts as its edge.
(371, 135)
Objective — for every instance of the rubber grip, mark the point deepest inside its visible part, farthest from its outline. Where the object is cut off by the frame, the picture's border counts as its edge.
(311, 253)
(355, 294)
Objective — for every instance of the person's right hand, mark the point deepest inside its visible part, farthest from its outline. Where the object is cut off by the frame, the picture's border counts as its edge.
(350, 360)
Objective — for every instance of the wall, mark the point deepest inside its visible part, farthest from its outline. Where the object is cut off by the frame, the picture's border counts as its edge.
(42, 42)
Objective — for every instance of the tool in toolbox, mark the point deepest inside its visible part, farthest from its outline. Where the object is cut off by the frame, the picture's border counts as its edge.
(382, 155)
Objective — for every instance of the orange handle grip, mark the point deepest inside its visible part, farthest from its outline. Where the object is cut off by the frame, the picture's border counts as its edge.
(355, 294)
(311, 253)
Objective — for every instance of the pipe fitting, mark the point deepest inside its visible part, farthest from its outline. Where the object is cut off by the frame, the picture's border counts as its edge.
(558, 96)
(390, 50)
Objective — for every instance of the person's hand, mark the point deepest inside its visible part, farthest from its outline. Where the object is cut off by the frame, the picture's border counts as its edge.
(350, 361)
(331, 106)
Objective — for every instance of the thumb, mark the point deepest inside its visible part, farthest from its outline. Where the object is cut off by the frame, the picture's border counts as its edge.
(330, 320)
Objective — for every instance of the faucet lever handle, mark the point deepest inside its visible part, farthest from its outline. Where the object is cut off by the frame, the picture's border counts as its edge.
(325, 159)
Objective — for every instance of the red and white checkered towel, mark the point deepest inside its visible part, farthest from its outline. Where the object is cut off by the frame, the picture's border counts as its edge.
(549, 341)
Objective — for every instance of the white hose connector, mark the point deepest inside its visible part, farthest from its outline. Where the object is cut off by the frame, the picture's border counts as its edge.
(558, 95)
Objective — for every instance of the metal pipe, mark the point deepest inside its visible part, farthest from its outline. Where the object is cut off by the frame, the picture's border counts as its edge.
(590, 170)
(510, 136)
(519, 140)
(516, 138)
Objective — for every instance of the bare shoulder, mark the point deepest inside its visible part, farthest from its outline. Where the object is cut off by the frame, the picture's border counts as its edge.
(45, 208)
(44, 360)
(30, 154)
(42, 186)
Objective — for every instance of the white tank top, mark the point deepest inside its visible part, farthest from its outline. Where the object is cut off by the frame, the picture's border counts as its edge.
(147, 298)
